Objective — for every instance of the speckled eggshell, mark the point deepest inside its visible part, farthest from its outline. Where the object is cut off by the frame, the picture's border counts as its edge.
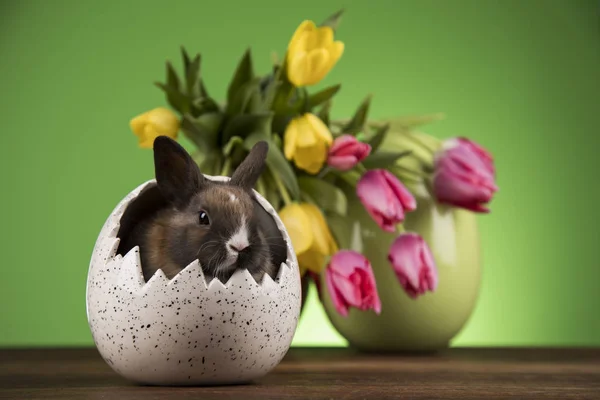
(185, 331)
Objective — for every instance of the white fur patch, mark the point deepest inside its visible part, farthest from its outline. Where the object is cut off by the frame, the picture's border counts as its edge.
(240, 239)
(232, 197)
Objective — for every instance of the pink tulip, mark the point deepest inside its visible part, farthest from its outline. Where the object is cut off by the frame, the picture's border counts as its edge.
(413, 264)
(351, 283)
(464, 175)
(346, 151)
(385, 198)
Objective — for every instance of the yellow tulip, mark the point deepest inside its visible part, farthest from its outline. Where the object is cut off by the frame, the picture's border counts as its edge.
(306, 141)
(311, 54)
(151, 124)
(311, 238)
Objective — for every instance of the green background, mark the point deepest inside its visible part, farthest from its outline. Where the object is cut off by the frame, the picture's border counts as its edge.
(520, 77)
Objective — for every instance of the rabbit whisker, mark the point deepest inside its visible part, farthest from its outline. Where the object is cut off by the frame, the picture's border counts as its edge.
(207, 245)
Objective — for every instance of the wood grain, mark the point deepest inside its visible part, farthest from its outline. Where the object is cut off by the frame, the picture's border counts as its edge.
(326, 374)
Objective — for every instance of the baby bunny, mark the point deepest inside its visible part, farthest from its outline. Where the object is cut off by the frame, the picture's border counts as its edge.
(218, 223)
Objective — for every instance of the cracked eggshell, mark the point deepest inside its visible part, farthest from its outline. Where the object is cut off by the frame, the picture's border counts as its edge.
(185, 331)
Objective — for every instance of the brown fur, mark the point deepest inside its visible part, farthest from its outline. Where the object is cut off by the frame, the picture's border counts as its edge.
(172, 238)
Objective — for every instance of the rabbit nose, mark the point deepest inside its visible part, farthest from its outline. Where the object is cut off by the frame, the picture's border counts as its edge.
(239, 240)
(238, 247)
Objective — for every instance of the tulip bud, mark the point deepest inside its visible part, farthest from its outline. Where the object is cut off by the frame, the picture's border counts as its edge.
(351, 283)
(464, 175)
(346, 151)
(151, 124)
(311, 54)
(311, 238)
(413, 264)
(385, 198)
(306, 141)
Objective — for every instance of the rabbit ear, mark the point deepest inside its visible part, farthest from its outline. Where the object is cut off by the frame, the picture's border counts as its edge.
(248, 172)
(177, 175)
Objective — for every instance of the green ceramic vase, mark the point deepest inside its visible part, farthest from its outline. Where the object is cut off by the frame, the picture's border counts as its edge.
(429, 322)
(305, 287)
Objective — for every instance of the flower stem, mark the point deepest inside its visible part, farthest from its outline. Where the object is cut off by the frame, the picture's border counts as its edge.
(226, 167)
(281, 188)
(324, 172)
(305, 197)
(275, 58)
(305, 102)
(351, 177)
(400, 229)
(361, 168)
(261, 188)
(284, 92)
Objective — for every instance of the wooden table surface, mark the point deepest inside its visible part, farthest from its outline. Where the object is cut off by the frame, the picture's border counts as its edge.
(326, 374)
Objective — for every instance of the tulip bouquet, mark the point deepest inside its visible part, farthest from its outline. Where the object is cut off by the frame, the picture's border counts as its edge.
(315, 162)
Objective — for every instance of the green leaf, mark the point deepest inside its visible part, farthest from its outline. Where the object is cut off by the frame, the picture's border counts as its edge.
(261, 186)
(172, 78)
(231, 144)
(202, 88)
(277, 140)
(211, 164)
(205, 105)
(175, 98)
(323, 96)
(323, 113)
(186, 58)
(243, 74)
(246, 99)
(357, 122)
(280, 123)
(423, 146)
(316, 99)
(383, 159)
(334, 20)
(272, 194)
(192, 71)
(406, 176)
(192, 74)
(203, 130)
(327, 196)
(211, 121)
(351, 177)
(378, 138)
(412, 121)
(243, 125)
(276, 162)
(281, 100)
(254, 103)
(272, 89)
(269, 95)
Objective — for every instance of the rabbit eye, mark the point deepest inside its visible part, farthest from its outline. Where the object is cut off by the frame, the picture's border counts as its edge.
(203, 218)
